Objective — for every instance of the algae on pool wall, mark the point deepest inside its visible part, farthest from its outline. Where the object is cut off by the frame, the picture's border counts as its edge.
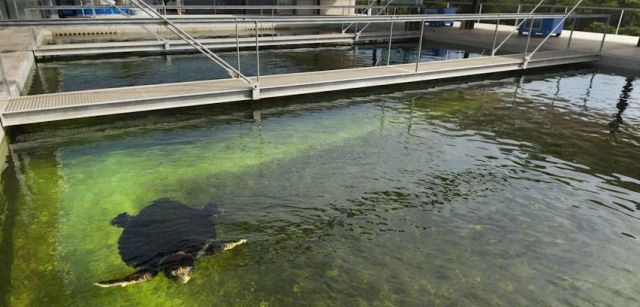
(104, 180)
(36, 267)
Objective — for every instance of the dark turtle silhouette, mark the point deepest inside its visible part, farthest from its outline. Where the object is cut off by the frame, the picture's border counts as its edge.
(166, 237)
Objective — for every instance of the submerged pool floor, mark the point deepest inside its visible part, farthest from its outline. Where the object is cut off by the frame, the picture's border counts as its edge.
(500, 192)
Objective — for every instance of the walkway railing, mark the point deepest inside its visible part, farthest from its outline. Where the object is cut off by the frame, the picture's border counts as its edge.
(256, 21)
(234, 73)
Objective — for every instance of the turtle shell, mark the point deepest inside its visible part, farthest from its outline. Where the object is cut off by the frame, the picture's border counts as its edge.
(163, 228)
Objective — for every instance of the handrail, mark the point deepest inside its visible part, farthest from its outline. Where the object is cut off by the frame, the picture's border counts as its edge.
(285, 19)
(122, 12)
(227, 7)
(528, 57)
(493, 52)
(344, 30)
(193, 42)
(560, 5)
(367, 25)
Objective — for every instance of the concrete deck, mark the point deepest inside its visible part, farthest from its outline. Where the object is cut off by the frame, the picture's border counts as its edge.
(61, 106)
(619, 50)
(17, 59)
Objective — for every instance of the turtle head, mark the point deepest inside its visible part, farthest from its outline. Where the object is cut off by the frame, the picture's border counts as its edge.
(181, 274)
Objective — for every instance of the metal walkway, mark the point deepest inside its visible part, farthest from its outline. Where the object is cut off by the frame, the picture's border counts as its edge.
(61, 106)
(214, 43)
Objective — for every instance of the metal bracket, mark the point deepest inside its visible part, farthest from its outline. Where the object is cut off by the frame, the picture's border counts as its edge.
(255, 93)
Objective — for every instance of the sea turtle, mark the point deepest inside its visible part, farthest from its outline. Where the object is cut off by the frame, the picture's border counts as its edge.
(166, 237)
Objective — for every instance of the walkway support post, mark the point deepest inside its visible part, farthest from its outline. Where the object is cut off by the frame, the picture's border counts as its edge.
(526, 46)
(573, 27)
(604, 35)
(237, 44)
(256, 85)
(389, 49)
(495, 38)
(619, 21)
(419, 54)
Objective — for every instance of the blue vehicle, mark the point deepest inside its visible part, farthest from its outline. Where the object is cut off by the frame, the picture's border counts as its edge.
(441, 11)
(85, 12)
(542, 27)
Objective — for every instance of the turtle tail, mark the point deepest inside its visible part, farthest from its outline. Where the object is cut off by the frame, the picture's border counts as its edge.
(121, 220)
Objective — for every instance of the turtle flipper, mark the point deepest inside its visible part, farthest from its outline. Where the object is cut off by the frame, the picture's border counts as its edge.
(211, 247)
(133, 278)
(230, 245)
(122, 220)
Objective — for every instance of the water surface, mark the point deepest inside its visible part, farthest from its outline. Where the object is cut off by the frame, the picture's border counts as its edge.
(90, 73)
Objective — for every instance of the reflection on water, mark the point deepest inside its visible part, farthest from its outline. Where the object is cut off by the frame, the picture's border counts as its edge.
(622, 105)
(83, 74)
(501, 192)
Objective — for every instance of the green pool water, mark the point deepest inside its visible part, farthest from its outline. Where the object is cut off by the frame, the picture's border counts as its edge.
(508, 191)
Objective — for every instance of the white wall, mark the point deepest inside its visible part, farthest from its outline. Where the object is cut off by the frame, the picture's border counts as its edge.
(338, 11)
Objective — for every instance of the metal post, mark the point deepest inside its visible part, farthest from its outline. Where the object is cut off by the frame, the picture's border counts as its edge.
(5, 81)
(34, 35)
(15, 7)
(573, 27)
(178, 7)
(619, 21)
(257, 56)
(390, 37)
(237, 44)
(604, 36)
(480, 12)
(93, 8)
(420, 45)
(519, 9)
(526, 47)
(495, 38)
